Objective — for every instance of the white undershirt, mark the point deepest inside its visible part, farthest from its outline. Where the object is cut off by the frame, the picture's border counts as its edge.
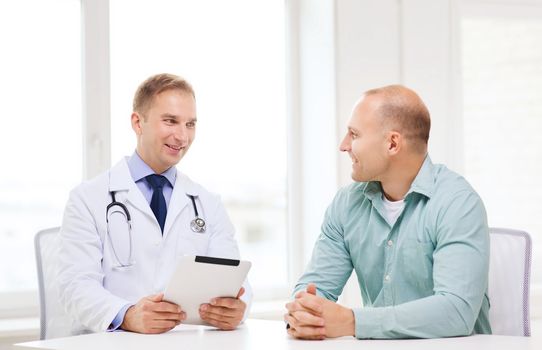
(392, 210)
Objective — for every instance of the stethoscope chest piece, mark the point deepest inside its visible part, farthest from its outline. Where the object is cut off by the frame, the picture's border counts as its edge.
(198, 225)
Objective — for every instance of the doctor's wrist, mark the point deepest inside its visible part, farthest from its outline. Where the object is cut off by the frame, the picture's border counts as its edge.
(127, 323)
(119, 318)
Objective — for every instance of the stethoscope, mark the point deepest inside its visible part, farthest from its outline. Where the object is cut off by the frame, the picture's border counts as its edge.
(196, 225)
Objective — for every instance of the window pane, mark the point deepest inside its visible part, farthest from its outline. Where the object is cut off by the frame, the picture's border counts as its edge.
(233, 54)
(40, 138)
(502, 82)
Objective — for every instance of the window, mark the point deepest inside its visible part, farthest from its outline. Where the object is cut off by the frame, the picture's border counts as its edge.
(233, 54)
(40, 138)
(502, 85)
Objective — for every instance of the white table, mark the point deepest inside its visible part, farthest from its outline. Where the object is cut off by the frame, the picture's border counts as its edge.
(260, 334)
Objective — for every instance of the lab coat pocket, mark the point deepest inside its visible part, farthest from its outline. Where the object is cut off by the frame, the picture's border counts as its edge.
(120, 281)
(192, 243)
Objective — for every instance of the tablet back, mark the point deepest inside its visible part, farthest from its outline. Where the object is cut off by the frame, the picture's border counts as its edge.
(198, 279)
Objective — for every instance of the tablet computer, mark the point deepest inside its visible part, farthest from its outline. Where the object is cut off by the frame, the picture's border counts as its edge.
(198, 279)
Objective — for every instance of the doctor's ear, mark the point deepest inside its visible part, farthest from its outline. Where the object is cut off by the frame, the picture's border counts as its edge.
(137, 119)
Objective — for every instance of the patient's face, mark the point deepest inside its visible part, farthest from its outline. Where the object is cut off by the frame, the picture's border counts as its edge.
(365, 142)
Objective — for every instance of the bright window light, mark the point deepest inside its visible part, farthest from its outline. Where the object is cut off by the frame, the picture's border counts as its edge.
(233, 54)
(40, 138)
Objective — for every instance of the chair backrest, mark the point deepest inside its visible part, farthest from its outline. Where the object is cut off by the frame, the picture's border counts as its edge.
(53, 320)
(509, 282)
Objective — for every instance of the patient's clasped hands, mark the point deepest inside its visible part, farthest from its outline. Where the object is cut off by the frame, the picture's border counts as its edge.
(313, 317)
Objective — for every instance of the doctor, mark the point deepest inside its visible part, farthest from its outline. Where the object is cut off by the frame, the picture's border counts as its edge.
(123, 231)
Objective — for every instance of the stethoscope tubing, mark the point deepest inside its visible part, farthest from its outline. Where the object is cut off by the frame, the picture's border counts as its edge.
(197, 225)
(126, 214)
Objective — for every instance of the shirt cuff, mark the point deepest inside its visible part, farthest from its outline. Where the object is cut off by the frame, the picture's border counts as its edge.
(117, 321)
(369, 322)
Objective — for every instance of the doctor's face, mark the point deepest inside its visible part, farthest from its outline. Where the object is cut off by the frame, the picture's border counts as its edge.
(365, 141)
(166, 130)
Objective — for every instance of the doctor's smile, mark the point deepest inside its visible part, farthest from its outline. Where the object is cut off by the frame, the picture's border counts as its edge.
(174, 148)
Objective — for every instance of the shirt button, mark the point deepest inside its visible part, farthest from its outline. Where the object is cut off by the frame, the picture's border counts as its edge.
(390, 243)
(387, 278)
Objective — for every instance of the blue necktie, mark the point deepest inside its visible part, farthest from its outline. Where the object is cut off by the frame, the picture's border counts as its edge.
(158, 202)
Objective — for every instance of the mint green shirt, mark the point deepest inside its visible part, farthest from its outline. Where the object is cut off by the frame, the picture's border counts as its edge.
(426, 275)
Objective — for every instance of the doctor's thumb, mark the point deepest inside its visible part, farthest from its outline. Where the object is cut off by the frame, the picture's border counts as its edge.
(241, 292)
(156, 297)
(311, 288)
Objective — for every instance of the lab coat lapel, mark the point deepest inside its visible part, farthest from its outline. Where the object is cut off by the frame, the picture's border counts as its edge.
(121, 180)
(179, 201)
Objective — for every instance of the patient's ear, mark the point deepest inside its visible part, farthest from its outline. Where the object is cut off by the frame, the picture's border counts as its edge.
(395, 142)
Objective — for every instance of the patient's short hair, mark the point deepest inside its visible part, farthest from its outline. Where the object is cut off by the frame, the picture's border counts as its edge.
(403, 110)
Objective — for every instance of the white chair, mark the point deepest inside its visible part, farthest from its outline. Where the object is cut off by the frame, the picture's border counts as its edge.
(53, 320)
(509, 272)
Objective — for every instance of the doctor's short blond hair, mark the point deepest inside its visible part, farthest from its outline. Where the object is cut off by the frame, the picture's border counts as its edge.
(156, 84)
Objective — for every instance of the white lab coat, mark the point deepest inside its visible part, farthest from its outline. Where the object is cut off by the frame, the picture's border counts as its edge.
(91, 289)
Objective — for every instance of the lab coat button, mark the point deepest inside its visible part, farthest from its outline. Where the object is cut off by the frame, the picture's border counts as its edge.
(387, 278)
(390, 243)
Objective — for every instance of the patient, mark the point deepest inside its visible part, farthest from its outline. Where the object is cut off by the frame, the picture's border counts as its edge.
(415, 233)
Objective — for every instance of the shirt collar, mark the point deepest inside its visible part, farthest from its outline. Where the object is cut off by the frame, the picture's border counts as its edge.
(424, 182)
(139, 169)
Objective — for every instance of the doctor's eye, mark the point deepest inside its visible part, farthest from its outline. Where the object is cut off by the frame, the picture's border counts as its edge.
(191, 125)
(170, 121)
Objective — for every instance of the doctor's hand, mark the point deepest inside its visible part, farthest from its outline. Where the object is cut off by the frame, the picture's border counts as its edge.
(224, 313)
(313, 317)
(152, 315)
